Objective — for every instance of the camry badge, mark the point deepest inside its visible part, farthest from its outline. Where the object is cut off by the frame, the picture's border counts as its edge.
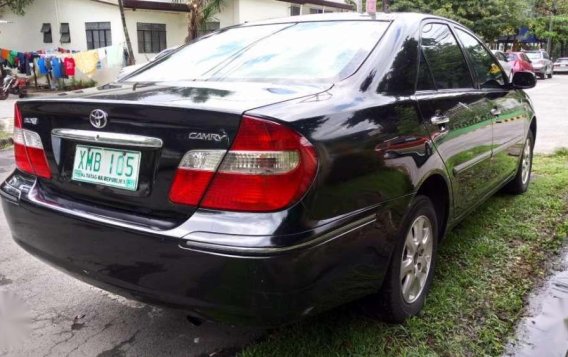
(208, 136)
(98, 118)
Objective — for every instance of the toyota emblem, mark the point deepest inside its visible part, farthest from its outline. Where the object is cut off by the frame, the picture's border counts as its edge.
(98, 118)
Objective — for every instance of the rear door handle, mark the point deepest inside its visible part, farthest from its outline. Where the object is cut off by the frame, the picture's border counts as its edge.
(439, 119)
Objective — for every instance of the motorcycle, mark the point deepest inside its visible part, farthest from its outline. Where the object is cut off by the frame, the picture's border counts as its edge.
(12, 84)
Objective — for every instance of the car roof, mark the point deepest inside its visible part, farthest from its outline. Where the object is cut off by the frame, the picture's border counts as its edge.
(353, 16)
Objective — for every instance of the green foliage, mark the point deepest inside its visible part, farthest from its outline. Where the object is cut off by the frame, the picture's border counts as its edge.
(540, 21)
(488, 18)
(16, 6)
(80, 84)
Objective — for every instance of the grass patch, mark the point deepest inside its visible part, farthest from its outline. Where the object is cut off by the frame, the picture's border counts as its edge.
(487, 266)
(3, 136)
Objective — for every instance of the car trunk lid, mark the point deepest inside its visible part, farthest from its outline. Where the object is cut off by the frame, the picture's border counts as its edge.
(151, 124)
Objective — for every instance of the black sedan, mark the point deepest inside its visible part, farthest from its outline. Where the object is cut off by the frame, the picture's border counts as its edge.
(274, 170)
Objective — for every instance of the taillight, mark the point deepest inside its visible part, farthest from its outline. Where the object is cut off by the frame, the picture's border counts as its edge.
(28, 149)
(268, 168)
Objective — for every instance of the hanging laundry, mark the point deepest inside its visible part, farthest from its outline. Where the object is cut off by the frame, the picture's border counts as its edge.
(22, 62)
(12, 58)
(86, 62)
(69, 63)
(114, 54)
(56, 66)
(41, 66)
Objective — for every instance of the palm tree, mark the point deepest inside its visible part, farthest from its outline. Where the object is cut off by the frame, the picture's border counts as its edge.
(201, 12)
(131, 59)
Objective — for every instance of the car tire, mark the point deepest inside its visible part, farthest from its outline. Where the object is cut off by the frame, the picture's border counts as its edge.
(549, 75)
(520, 183)
(402, 295)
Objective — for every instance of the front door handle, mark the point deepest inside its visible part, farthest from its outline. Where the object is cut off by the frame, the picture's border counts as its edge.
(495, 112)
(439, 119)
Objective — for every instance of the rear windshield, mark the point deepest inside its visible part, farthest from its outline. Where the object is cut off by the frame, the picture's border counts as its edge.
(562, 60)
(306, 51)
(534, 55)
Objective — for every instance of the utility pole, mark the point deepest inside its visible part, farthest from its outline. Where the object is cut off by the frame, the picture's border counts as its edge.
(551, 26)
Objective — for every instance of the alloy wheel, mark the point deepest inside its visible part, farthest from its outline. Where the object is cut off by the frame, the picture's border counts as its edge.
(416, 259)
(527, 161)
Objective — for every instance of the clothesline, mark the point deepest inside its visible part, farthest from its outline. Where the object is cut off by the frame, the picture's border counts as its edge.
(61, 63)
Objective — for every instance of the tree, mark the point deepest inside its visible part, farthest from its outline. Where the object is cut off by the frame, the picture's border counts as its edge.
(201, 12)
(17, 6)
(488, 18)
(131, 59)
(543, 13)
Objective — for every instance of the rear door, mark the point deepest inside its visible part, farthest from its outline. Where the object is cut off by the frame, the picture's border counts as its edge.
(456, 114)
(507, 110)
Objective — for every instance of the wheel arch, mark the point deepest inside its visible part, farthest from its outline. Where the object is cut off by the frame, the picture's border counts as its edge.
(437, 188)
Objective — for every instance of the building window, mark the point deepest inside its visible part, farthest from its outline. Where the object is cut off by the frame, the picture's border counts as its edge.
(46, 30)
(294, 10)
(151, 37)
(316, 11)
(98, 34)
(65, 33)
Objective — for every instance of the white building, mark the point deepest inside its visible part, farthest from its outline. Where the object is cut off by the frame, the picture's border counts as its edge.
(152, 25)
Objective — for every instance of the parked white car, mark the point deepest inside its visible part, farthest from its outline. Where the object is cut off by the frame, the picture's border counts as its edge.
(561, 65)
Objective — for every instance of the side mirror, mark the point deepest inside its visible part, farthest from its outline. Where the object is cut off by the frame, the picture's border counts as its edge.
(524, 80)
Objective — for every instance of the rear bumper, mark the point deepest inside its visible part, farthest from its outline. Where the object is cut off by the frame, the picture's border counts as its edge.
(560, 69)
(255, 289)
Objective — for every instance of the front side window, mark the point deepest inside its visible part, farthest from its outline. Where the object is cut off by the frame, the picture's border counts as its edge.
(304, 52)
(487, 70)
(98, 35)
(447, 63)
(151, 37)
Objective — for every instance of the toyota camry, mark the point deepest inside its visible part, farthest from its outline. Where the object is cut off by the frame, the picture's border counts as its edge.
(274, 170)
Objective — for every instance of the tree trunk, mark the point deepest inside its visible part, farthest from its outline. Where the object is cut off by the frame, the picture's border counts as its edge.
(193, 20)
(131, 59)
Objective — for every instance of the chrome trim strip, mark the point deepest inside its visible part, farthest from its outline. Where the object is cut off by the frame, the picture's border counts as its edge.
(100, 137)
(35, 198)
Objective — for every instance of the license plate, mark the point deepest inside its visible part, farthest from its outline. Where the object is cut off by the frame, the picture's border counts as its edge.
(108, 167)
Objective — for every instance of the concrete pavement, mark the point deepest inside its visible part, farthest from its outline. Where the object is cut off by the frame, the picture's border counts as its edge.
(550, 98)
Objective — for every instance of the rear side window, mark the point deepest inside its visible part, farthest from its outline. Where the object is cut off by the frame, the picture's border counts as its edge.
(445, 58)
(511, 57)
(425, 81)
(487, 70)
(306, 51)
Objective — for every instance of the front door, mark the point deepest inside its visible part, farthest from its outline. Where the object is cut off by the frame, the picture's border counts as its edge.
(506, 108)
(457, 114)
